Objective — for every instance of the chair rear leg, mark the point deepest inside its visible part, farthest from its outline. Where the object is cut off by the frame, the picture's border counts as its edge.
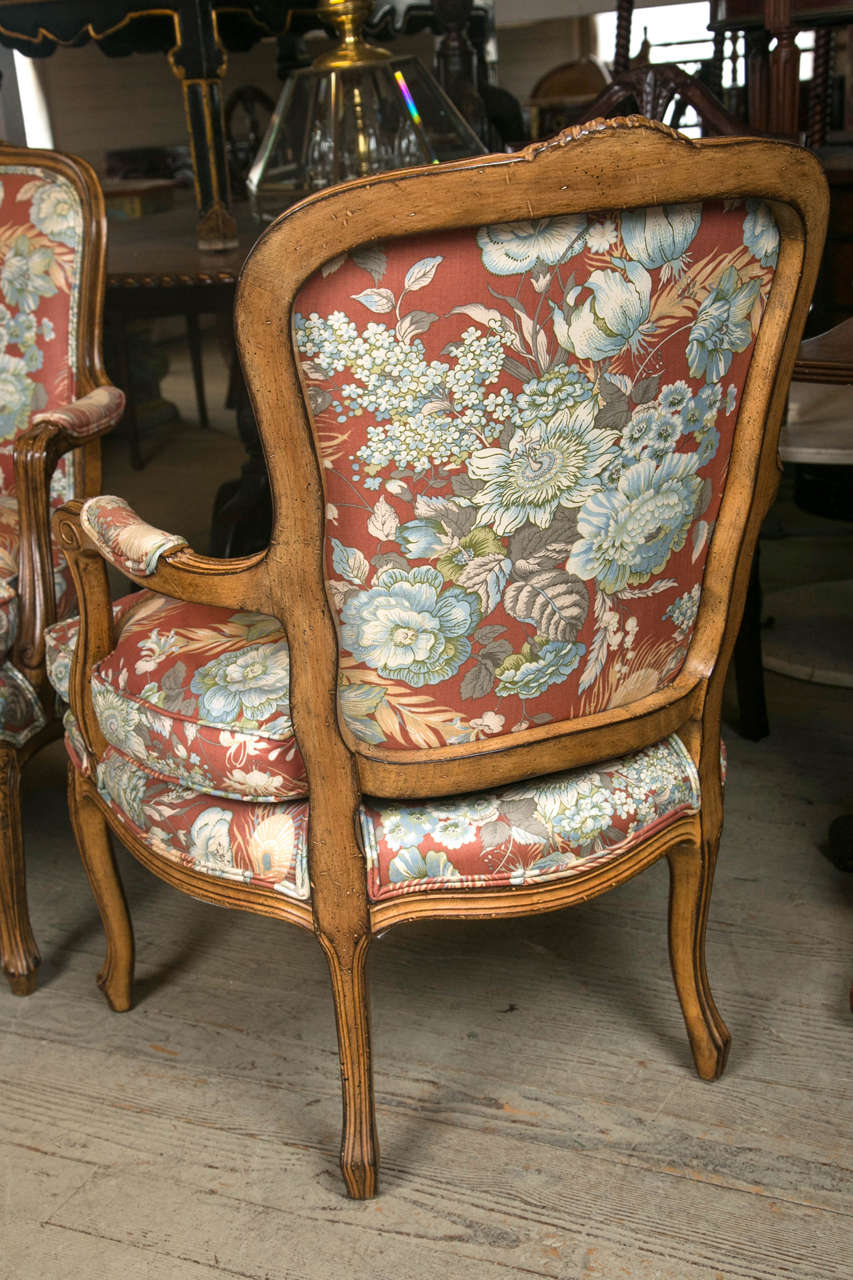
(359, 1145)
(691, 868)
(96, 851)
(18, 951)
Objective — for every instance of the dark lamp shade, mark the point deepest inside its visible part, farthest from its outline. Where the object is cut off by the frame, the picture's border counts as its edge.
(334, 124)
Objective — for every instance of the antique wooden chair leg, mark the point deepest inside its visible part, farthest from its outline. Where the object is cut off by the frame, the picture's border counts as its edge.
(18, 951)
(691, 869)
(96, 851)
(359, 1145)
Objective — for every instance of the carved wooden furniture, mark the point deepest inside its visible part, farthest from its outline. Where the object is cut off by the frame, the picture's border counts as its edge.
(520, 415)
(154, 268)
(773, 75)
(55, 403)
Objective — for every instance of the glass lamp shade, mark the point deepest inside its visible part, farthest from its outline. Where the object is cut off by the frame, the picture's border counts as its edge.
(341, 119)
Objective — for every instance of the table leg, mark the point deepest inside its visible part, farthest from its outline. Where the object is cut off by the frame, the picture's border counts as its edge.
(194, 341)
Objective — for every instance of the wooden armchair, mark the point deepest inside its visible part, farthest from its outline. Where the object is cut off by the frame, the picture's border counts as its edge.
(520, 415)
(55, 403)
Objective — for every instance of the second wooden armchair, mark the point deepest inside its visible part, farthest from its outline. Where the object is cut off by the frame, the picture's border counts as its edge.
(520, 415)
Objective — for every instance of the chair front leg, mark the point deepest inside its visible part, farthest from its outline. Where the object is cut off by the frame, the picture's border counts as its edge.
(18, 951)
(359, 1145)
(691, 869)
(96, 851)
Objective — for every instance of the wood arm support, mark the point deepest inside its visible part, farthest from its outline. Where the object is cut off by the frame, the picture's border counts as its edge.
(78, 425)
(96, 637)
(162, 562)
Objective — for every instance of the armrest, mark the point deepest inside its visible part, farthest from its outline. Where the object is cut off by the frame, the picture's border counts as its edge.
(90, 416)
(124, 538)
(37, 451)
(163, 562)
(86, 546)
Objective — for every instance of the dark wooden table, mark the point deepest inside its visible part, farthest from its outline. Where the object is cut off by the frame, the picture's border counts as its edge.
(155, 268)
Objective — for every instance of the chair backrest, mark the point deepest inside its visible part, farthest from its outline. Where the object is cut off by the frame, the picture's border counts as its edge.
(51, 285)
(542, 392)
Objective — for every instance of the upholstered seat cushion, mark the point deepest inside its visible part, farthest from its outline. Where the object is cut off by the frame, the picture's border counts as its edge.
(533, 832)
(197, 695)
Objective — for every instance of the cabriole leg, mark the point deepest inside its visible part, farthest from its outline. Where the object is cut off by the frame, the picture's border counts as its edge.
(18, 951)
(96, 851)
(691, 868)
(359, 1146)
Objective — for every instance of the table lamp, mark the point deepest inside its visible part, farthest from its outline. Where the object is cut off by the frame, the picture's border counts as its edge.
(356, 110)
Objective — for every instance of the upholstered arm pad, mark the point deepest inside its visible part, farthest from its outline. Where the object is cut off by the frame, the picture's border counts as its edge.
(124, 538)
(88, 416)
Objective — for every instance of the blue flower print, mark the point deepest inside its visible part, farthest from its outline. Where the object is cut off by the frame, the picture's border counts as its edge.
(411, 864)
(358, 704)
(639, 430)
(683, 612)
(674, 397)
(578, 814)
(25, 276)
(616, 316)
(651, 432)
(545, 466)
(16, 393)
(529, 673)
(722, 326)
(709, 443)
(125, 785)
(628, 533)
(209, 843)
(404, 828)
(557, 389)
(55, 210)
(245, 688)
(408, 629)
(422, 539)
(760, 233)
(660, 236)
(510, 248)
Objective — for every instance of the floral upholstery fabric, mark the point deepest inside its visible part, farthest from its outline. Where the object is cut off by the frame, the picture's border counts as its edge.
(531, 832)
(60, 641)
(21, 712)
(259, 843)
(197, 695)
(41, 226)
(525, 431)
(127, 541)
(539, 831)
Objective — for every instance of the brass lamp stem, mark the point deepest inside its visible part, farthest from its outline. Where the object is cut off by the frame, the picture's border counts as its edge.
(348, 18)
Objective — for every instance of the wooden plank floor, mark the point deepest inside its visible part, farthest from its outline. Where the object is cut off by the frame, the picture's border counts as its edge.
(538, 1112)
